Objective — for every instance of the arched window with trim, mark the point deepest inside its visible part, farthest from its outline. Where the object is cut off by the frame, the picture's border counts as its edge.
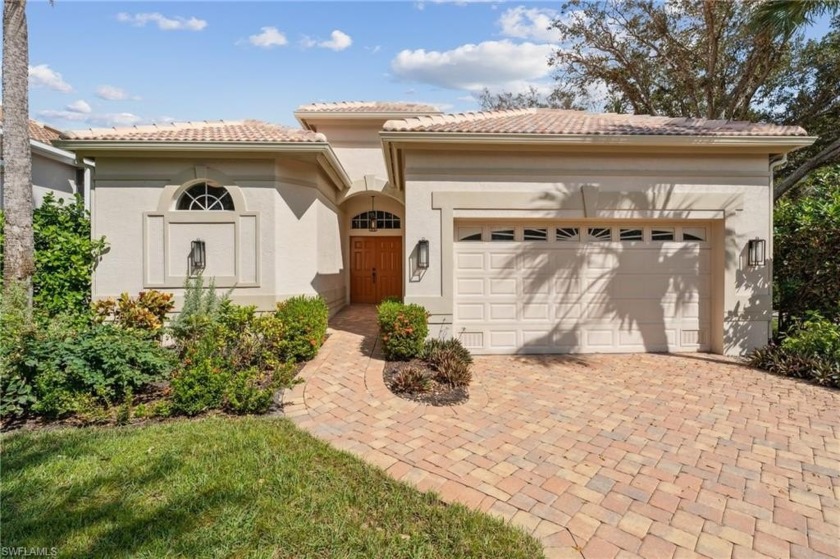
(205, 197)
(384, 220)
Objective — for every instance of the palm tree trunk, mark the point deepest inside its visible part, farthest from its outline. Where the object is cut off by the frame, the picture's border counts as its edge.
(18, 254)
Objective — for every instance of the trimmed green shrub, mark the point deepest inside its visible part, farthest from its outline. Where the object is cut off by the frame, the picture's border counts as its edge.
(65, 256)
(402, 329)
(305, 320)
(248, 392)
(199, 387)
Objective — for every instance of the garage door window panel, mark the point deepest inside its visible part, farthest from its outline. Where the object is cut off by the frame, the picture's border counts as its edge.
(659, 234)
(538, 234)
(599, 234)
(469, 234)
(500, 234)
(694, 234)
(567, 234)
(631, 234)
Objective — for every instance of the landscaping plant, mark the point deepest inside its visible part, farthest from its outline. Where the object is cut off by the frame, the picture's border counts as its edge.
(811, 351)
(403, 329)
(65, 256)
(146, 312)
(233, 359)
(305, 320)
(806, 266)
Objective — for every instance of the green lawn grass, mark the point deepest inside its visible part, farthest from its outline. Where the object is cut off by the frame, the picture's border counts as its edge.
(225, 487)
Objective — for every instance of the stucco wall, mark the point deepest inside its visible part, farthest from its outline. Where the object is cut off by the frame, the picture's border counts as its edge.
(49, 176)
(267, 250)
(732, 191)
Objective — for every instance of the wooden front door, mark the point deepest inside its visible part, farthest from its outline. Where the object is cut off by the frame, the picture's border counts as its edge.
(375, 269)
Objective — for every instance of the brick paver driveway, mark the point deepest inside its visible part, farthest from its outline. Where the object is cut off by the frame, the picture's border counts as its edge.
(600, 456)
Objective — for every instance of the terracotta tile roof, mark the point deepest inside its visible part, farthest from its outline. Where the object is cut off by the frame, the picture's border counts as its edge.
(40, 132)
(565, 122)
(210, 131)
(368, 107)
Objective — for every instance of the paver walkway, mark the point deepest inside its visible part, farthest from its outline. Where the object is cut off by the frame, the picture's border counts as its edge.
(600, 456)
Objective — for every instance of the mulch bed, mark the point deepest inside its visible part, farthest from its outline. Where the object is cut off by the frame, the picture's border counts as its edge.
(438, 394)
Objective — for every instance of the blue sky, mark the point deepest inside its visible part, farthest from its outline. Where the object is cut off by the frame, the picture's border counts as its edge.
(108, 63)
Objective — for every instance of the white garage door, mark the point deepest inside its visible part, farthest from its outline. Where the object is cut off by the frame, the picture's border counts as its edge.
(582, 288)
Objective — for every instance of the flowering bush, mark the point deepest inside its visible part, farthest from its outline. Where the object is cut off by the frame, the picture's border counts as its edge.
(403, 329)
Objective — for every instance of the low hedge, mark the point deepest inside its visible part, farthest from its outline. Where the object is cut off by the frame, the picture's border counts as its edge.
(402, 329)
(305, 321)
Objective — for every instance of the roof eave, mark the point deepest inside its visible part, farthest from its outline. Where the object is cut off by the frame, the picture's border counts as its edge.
(324, 153)
(653, 140)
(393, 140)
(53, 153)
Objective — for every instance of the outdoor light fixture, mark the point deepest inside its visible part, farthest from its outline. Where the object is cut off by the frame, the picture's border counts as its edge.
(372, 216)
(422, 254)
(756, 252)
(198, 256)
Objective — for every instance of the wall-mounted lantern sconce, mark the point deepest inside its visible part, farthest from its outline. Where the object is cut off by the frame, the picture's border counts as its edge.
(198, 256)
(422, 254)
(372, 216)
(756, 252)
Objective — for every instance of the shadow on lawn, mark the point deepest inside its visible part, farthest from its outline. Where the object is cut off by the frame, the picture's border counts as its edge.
(105, 507)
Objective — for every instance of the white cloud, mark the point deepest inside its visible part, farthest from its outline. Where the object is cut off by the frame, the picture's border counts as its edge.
(176, 23)
(497, 65)
(44, 76)
(113, 93)
(421, 5)
(374, 50)
(339, 40)
(80, 106)
(269, 37)
(91, 119)
(529, 23)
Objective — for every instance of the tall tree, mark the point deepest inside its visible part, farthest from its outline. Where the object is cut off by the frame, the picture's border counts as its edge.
(18, 256)
(689, 58)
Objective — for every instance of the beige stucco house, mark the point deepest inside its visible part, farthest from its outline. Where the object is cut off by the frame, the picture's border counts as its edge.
(525, 231)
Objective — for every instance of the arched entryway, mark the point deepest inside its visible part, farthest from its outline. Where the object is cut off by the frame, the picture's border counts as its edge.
(375, 227)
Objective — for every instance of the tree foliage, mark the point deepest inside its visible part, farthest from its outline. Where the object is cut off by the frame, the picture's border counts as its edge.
(806, 237)
(807, 93)
(685, 58)
(505, 100)
(65, 256)
(786, 17)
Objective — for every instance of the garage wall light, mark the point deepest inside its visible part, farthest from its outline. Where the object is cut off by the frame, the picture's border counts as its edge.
(198, 257)
(422, 254)
(756, 252)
